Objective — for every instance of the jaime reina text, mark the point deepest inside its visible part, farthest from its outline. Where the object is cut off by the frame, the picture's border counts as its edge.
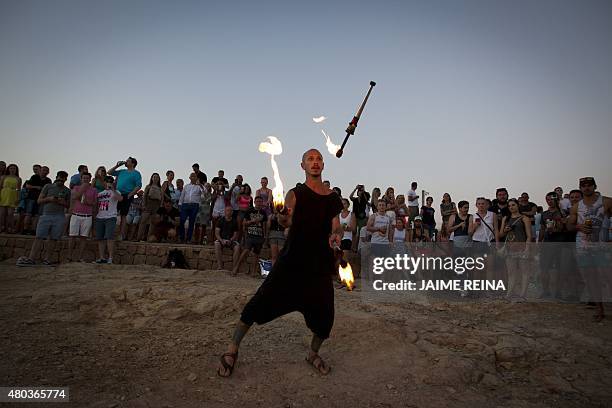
(437, 285)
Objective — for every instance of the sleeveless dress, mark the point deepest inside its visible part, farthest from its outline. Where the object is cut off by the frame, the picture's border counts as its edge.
(9, 196)
(301, 278)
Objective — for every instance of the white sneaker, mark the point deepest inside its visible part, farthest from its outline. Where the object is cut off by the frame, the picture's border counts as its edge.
(109, 261)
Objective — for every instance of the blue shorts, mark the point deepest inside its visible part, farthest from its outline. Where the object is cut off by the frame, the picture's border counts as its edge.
(50, 226)
(31, 206)
(105, 228)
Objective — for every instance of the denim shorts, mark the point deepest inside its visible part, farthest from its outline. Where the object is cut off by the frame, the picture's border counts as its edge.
(105, 228)
(50, 226)
(31, 207)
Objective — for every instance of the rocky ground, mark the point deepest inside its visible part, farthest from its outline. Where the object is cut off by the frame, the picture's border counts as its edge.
(141, 336)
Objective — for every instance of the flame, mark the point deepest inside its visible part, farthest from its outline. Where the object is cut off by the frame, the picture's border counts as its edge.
(331, 147)
(320, 119)
(274, 148)
(346, 276)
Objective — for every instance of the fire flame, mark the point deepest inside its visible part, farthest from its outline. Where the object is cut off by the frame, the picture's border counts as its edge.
(331, 147)
(319, 119)
(346, 276)
(274, 148)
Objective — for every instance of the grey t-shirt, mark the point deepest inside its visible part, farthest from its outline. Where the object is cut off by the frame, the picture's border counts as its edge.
(55, 190)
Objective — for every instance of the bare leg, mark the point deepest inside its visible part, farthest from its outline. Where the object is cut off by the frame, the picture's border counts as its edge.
(110, 244)
(71, 248)
(144, 221)
(36, 247)
(3, 227)
(123, 227)
(101, 248)
(219, 253)
(236, 265)
(273, 252)
(10, 219)
(49, 249)
(81, 244)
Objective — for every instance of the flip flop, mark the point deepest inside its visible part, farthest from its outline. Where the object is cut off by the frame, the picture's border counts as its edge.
(321, 366)
(229, 368)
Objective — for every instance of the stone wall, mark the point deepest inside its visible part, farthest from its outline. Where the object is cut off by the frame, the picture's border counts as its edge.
(141, 253)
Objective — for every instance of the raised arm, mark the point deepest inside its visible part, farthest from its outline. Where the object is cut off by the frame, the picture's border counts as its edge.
(285, 220)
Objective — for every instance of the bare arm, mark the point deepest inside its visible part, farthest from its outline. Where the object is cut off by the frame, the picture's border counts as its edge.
(527, 224)
(370, 227)
(496, 229)
(337, 232)
(285, 220)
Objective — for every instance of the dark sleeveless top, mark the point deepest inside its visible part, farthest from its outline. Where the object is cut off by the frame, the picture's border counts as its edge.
(463, 230)
(274, 225)
(517, 233)
(307, 250)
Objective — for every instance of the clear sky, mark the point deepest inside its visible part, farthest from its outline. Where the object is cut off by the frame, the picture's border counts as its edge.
(470, 95)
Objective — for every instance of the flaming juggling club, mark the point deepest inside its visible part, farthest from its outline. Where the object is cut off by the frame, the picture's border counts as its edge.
(350, 130)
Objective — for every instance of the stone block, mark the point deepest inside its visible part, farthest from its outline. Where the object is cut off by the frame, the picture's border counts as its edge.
(20, 243)
(153, 260)
(141, 250)
(127, 259)
(139, 259)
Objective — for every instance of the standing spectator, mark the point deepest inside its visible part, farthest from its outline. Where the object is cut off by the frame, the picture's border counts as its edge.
(401, 209)
(375, 197)
(255, 222)
(266, 194)
(564, 202)
(2, 167)
(327, 184)
(10, 185)
(389, 200)
(277, 235)
(516, 232)
(348, 222)
(338, 191)
(165, 222)
(499, 206)
(379, 225)
(76, 179)
(458, 226)
(538, 222)
(176, 196)
(552, 229)
(219, 203)
(203, 218)
(226, 234)
(484, 226)
(83, 197)
(428, 215)
(199, 174)
(529, 209)
(98, 181)
(167, 187)
(129, 181)
(134, 215)
(189, 204)
(413, 201)
(447, 208)
(575, 196)
(106, 220)
(34, 186)
(245, 201)
(151, 201)
(234, 192)
(220, 177)
(360, 205)
(55, 199)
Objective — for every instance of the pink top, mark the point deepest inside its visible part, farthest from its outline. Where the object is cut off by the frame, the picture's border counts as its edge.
(85, 205)
(244, 202)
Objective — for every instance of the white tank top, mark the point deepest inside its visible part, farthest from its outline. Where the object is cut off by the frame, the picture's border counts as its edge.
(346, 221)
(381, 221)
(482, 233)
(399, 235)
(597, 216)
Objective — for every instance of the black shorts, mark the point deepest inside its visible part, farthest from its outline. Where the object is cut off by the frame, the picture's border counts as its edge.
(346, 244)
(279, 294)
(253, 243)
(123, 206)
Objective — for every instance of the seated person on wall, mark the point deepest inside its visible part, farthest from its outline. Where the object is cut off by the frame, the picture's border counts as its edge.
(165, 223)
(226, 236)
(255, 223)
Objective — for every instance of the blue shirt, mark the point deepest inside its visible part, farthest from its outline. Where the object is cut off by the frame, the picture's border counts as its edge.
(75, 180)
(127, 181)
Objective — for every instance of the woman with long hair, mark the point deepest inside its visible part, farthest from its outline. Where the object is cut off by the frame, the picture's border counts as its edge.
(349, 224)
(152, 200)
(516, 232)
(374, 201)
(98, 181)
(447, 208)
(167, 187)
(266, 194)
(10, 184)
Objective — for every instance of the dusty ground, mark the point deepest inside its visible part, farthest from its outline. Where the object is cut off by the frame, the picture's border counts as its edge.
(148, 337)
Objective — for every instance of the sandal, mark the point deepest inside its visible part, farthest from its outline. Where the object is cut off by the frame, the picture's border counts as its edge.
(318, 364)
(229, 368)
